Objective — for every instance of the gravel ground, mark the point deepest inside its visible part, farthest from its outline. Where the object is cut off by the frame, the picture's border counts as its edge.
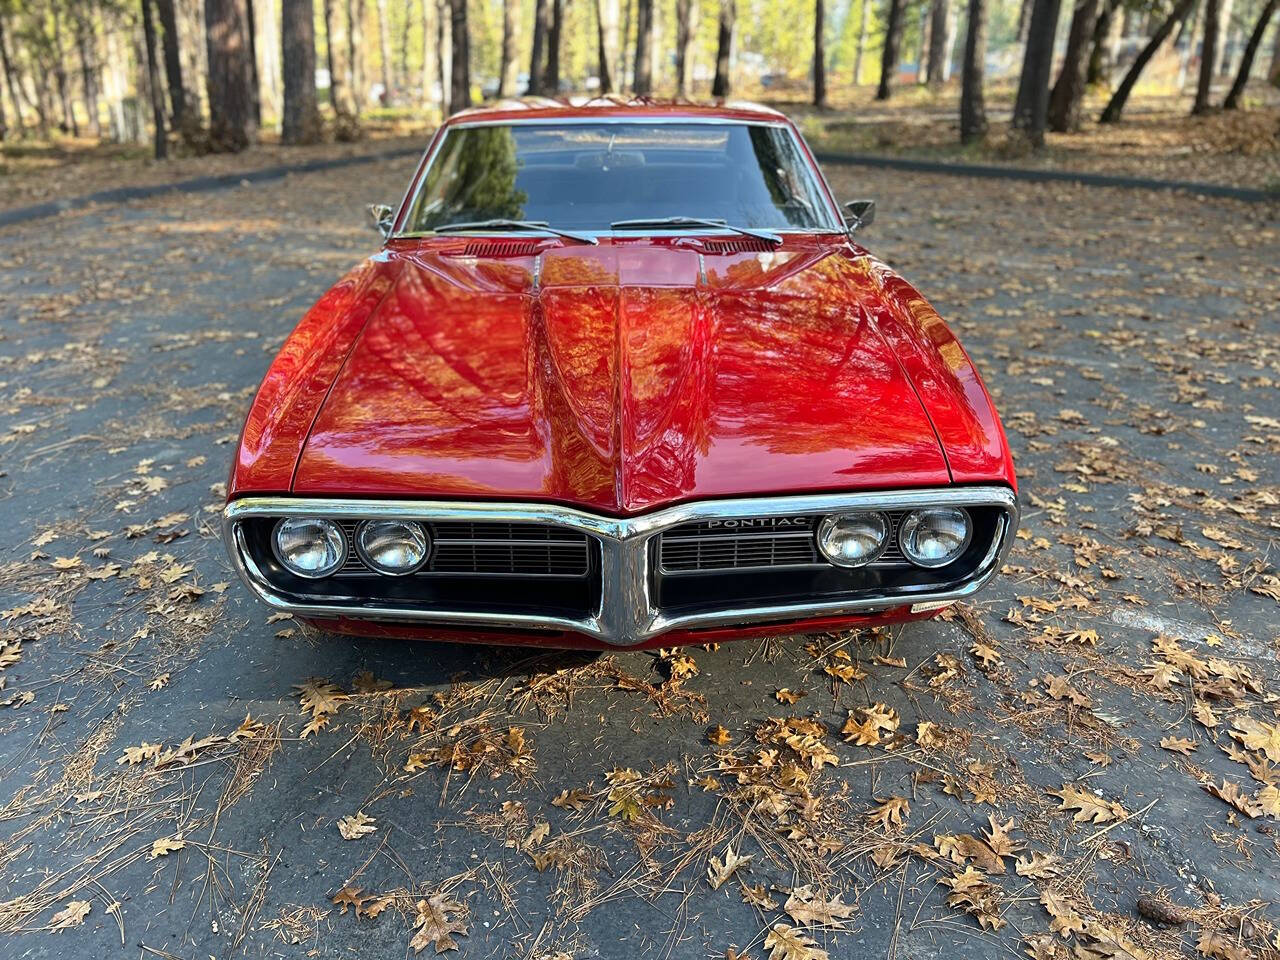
(570, 806)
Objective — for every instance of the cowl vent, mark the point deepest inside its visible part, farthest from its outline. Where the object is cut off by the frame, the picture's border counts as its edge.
(499, 248)
(745, 245)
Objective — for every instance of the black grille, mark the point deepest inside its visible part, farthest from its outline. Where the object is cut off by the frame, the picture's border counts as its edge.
(519, 549)
(753, 543)
(500, 248)
(745, 245)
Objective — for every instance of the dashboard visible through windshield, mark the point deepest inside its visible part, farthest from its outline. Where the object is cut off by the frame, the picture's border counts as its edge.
(589, 176)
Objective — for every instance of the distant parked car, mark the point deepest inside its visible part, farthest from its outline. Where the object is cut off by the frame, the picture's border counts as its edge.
(619, 376)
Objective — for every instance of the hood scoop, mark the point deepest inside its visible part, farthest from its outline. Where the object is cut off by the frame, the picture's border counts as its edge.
(744, 245)
(497, 248)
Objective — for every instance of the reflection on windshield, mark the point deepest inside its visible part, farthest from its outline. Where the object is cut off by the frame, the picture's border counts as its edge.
(586, 176)
(474, 179)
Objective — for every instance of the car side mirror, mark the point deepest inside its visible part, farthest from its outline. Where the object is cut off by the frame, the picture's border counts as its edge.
(859, 214)
(383, 218)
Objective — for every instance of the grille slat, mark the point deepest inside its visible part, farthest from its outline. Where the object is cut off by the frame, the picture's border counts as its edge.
(515, 549)
(754, 543)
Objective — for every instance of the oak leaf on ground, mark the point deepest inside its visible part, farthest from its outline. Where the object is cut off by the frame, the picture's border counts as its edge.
(434, 924)
(807, 907)
(718, 871)
(357, 826)
(785, 942)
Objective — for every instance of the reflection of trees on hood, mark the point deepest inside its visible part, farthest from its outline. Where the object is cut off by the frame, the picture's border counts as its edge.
(487, 175)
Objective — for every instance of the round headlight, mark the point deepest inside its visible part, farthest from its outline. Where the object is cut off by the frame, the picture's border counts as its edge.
(935, 537)
(310, 547)
(853, 539)
(393, 547)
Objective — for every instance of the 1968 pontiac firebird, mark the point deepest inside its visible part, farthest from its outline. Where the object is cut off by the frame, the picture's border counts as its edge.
(619, 377)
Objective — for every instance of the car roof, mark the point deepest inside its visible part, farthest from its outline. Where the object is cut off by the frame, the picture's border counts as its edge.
(613, 107)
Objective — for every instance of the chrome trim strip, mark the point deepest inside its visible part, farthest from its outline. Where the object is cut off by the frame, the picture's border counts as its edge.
(627, 614)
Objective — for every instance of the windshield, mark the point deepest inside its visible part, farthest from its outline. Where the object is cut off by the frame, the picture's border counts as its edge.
(587, 176)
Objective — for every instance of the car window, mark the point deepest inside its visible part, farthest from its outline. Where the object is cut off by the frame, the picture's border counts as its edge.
(586, 176)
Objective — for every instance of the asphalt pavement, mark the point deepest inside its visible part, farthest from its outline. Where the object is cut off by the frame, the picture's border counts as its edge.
(161, 769)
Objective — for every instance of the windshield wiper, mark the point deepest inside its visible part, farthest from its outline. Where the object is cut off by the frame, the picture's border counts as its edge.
(694, 222)
(539, 225)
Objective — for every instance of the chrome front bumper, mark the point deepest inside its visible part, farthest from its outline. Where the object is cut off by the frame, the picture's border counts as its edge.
(627, 613)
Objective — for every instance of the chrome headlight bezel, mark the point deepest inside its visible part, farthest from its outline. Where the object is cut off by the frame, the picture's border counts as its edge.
(417, 533)
(907, 530)
(331, 532)
(876, 519)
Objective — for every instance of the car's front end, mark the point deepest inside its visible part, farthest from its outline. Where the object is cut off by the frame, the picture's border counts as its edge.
(629, 437)
(548, 574)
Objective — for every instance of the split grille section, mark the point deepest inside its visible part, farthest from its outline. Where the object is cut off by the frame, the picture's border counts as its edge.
(753, 543)
(511, 549)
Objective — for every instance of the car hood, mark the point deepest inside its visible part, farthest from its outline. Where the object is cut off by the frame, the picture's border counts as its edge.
(620, 377)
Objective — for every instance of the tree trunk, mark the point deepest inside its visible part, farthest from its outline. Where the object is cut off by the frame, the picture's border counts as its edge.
(430, 52)
(973, 111)
(1221, 62)
(231, 124)
(507, 67)
(1102, 53)
(15, 90)
(172, 62)
(892, 41)
(336, 60)
(444, 59)
(384, 49)
(87, 47)
(537, 59)
(602, 50)
(270, 47)
(861, 47)
(402, 56)
(255, 80)
(643, 84)
(819, 56)
(1208, 53)
(724, 48)
(1273, 74)
(1250, 52)
(153, 78)
(1116, 106)
(69, 123)
(301, 121)
(460, 86)
(1030, 112)
(922, 49)
(1067, 98)
(551, 78)
(355, 54)
(939, 48)
(1024, 20)
(684, 45)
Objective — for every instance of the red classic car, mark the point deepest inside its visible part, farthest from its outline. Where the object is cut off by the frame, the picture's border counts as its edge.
(619, 377)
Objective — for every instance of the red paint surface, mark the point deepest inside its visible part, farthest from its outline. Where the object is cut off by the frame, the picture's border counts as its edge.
(574, 641)
(623, 383)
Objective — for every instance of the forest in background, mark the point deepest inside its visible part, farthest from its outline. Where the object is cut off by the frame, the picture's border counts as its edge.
(215, 75)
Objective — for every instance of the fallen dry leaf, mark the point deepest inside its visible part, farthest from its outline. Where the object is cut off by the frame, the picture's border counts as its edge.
(167, 845)
(434, 924)
(72, 915)
(807, 907)
(785, 942)
(357, 826)
(718, 871)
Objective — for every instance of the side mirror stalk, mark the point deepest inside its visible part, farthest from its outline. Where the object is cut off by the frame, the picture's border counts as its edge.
(383, 218)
